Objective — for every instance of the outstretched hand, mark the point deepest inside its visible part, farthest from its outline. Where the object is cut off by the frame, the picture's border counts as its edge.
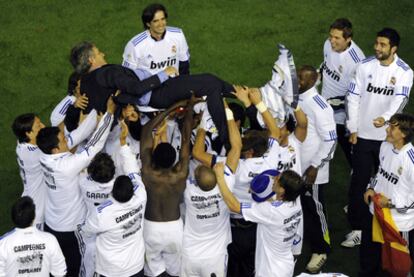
(255, 96)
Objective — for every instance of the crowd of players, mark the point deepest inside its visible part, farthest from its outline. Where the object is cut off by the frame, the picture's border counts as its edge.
(147, 170)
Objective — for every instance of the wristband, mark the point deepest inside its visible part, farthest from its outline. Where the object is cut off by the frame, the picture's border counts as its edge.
(229, 114)
(261, 107)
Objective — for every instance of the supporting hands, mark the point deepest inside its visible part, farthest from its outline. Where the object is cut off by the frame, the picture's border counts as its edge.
(242, 94)
(379, 122)
(124, 132)
(171, 71)
(310, 175)
(110, 105)
(255, 96)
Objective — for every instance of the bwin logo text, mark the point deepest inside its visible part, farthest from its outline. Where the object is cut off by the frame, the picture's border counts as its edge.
(331, 73)
(378, 90)
(162, 64)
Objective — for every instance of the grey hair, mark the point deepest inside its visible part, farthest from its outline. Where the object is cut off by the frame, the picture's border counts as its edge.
(79, 57)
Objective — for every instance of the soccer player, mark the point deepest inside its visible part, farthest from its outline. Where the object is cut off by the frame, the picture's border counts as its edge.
(341, 57)
(381, 88)
(394, 181)
(100, 80)
(117, 221)
(65, 209)
(158, 46)
(277, 219)
(27, 251)
(165, 184)
(207, 219)
(316, 151)
(26, 127)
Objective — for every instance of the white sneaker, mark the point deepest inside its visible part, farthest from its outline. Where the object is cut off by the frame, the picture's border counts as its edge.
(316, 262)
(346, 209)
(352, 239)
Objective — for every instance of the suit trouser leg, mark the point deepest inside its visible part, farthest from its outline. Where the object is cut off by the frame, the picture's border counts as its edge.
(182, 87)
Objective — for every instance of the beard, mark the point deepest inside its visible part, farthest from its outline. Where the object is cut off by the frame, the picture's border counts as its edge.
(382, 56)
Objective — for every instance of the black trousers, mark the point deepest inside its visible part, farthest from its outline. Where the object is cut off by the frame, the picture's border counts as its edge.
(70, 248)
(343, 140)
(242, 249)
(370, 252)
(365, 161)
(183, 86)
(315, 220)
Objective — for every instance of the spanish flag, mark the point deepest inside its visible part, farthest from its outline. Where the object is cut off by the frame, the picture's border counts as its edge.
(395, 254)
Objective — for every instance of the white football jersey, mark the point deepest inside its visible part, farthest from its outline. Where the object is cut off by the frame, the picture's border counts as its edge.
(65, 208)
(249, 168)
(337, 70)
(144, 52)
(289, 155)
(319, 145)
(207, 220)
(277, 225)
(28, 158)
(377, 91)
(30, 252)
(395, 179)
(59, 112)
(119, 242)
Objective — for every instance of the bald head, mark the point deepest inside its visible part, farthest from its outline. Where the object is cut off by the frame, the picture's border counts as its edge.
(205, 178)
(307, 77)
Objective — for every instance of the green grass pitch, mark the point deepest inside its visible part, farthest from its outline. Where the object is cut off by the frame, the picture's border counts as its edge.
(234, 39)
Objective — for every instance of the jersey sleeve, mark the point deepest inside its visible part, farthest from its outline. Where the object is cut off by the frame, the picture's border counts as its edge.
(184, 51)
(59, 112)
(326, 129)
(91, 225)
(129, 58)
(256, 212)
(229, 177)
(78, 161)
(83, 131)
(129, 163)
(353, 98)
(272, 154)
(401, 95)
(57, 264)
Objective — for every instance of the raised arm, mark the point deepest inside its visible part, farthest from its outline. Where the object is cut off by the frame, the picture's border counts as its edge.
(199, 153)
(235, 140)
(231, 201)
(270, 122)
(146, 142)
(301, 124)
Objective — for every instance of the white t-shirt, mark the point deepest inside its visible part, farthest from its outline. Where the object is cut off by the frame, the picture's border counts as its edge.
(337, 70)
(319, 145)
(119, 242)
(207, 220)
(395, 180)
(377, 91)
(30, 252)
(28, 158)
(144, 52)
(65, 208)
(277, 224)
(249, 168)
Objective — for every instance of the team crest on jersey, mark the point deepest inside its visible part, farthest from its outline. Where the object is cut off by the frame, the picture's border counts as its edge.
(340, 69)
(400, 170)
(393, 81)
(291, 149)
(174, 49)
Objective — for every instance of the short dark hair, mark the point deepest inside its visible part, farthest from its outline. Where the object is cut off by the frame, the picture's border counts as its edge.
(102, 168)
(256, 140)
(47, 139)
(238, 112)
(292, 183)
(391, 34)
(79, 57)
(149, 12)
(164, 155)
(123, 189)
(406, 124)
(23, 124)
(23, 212)
(344, 25)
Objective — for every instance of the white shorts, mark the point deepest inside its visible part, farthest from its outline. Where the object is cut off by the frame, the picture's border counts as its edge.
(163, 242)
(204, 267)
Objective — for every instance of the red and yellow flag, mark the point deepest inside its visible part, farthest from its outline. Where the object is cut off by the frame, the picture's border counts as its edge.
(395, 254)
